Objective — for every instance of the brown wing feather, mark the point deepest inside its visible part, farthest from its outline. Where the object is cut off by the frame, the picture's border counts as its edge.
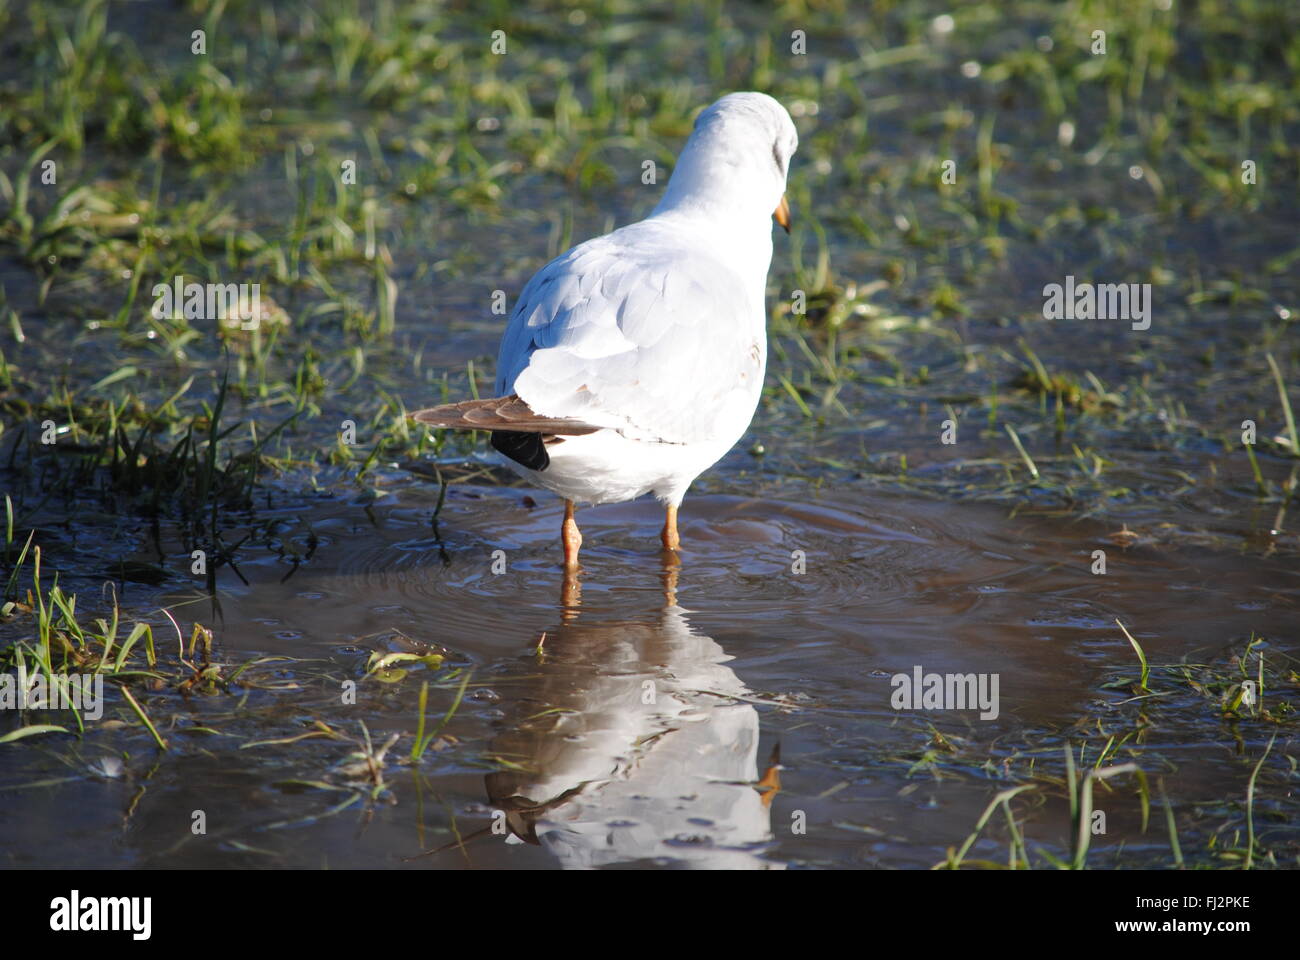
(499, 413)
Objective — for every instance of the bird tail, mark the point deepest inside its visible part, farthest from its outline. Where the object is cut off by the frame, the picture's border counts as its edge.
(500, 413)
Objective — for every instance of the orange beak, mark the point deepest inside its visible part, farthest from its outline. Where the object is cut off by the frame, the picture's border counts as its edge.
(782, 214)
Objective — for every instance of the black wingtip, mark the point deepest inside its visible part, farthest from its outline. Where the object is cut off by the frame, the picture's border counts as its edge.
(525, 449)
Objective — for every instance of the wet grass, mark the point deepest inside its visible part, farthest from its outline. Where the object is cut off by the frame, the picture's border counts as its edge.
(161, 697)
(1135, 739)
(904, 298)
(228, 166)
(65, 642)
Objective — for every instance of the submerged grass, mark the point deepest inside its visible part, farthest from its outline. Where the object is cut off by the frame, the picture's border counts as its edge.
(50, 654)
(1163, 706)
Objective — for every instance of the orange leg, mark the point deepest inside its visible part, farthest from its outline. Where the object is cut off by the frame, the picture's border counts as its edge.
(669, 535)
(571, 537)
(770, 785)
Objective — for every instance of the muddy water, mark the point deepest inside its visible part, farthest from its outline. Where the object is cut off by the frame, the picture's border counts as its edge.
(627, 719)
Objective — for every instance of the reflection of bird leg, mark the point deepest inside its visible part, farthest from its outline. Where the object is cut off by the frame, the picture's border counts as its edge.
(669, 535)
(770, 785)
(671, 566)
(571, 591)
(570, 595)
(571, 537)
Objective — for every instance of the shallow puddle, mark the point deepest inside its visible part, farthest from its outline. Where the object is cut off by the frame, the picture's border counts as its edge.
(730, 709)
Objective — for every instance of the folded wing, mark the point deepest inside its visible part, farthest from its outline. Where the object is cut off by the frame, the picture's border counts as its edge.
(632, 332)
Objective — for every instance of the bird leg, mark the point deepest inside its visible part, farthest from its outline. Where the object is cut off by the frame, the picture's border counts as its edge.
(571, 537)
(770, 785)
(669, 535)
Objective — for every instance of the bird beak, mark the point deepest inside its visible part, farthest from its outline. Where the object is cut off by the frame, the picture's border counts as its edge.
(782, 214)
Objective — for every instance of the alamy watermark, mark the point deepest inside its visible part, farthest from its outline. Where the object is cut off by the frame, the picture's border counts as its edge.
(60, 691)
(1101, 301)
(76, 913)
(946, 691)
(233, 304)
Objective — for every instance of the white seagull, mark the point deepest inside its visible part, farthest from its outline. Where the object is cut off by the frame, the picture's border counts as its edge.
(633, 362)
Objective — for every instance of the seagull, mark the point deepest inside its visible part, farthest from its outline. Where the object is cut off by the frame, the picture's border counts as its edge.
(633, 362)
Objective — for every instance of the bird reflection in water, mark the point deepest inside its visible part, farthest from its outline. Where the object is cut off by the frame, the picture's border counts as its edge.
(629, 742)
